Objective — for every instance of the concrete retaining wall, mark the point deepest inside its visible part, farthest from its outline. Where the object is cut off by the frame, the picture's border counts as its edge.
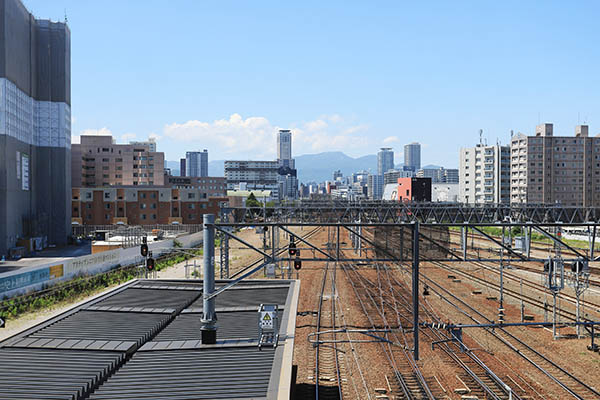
(21, 281)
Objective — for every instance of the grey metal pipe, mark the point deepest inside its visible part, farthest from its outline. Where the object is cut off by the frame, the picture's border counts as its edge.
(209, 317)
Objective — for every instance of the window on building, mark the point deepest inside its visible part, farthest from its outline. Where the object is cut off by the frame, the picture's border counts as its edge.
(153, 205)
(143, 216)
(88, 195)
(192, 216)
(191, 195)
(105, 160)
(107, 205)
(143, 205)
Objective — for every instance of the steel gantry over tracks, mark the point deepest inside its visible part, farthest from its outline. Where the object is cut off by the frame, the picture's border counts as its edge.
(423, 229)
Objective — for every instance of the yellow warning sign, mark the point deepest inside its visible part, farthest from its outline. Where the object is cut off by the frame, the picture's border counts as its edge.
(267, 317)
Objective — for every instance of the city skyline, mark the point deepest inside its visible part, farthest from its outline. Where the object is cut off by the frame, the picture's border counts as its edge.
(364, 98)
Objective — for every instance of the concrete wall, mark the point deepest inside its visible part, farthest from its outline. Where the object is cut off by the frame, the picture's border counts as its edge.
(18, 282)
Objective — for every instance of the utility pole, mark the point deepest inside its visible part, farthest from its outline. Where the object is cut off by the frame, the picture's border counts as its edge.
(415, 289)
(209, 318)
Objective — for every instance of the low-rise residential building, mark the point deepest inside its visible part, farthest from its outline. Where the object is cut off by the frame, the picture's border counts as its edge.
(213, 186)
(414, 189)
(253, 175)
(141, 206)
(392, 175)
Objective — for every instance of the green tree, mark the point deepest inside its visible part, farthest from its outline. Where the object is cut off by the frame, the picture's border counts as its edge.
(252, 202)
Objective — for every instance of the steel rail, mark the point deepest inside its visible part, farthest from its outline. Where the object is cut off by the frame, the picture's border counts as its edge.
(453, 355)
(472, 374)
(513, 347)
(408, 393)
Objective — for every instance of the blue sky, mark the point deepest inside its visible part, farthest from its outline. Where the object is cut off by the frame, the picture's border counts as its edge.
(345, 75)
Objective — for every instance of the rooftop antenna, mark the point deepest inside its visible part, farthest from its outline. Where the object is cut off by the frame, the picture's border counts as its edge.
(66, 19)
(512, 133)
(481, 136)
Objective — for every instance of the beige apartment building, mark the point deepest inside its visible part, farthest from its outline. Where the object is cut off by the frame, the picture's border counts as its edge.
(99, 162)
(556, 169)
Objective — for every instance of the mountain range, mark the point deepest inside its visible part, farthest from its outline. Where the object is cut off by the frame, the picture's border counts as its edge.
(311, 167)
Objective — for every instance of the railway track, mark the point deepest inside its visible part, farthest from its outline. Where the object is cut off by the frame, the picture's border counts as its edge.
(479, 380)
(572, 386)
(527, 299)
(328, 374)
(407, 381)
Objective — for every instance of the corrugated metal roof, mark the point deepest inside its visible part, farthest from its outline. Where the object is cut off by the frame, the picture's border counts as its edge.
(191, 374)
(100, 325)
(230, 325)
(53, 374)
(143, 341)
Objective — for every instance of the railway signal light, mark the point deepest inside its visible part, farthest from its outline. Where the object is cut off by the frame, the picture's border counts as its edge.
(297, 265)
(144, 250)
(150, 264)
(578, 266)
(292, 249)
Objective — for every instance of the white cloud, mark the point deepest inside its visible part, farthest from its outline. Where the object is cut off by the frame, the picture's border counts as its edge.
(127, 137)
(102, 132)
(154, 136)
(391, 139)
(252, 137)
(256, 137)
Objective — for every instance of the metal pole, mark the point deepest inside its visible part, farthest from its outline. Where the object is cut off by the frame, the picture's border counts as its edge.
(554, 316)
(464, 241)
(522, 304)
(209, 318)
(415, 289)
(338, 244)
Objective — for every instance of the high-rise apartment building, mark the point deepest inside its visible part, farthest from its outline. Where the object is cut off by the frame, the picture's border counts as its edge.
(196, 163)
(555, 169)
(439, 175)
(375, 186)
(182, 167)
(287, 174)
(35, 127)
(484, 174)
(385, 160)
(412, 156)
(99, 162)
(284, 148)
